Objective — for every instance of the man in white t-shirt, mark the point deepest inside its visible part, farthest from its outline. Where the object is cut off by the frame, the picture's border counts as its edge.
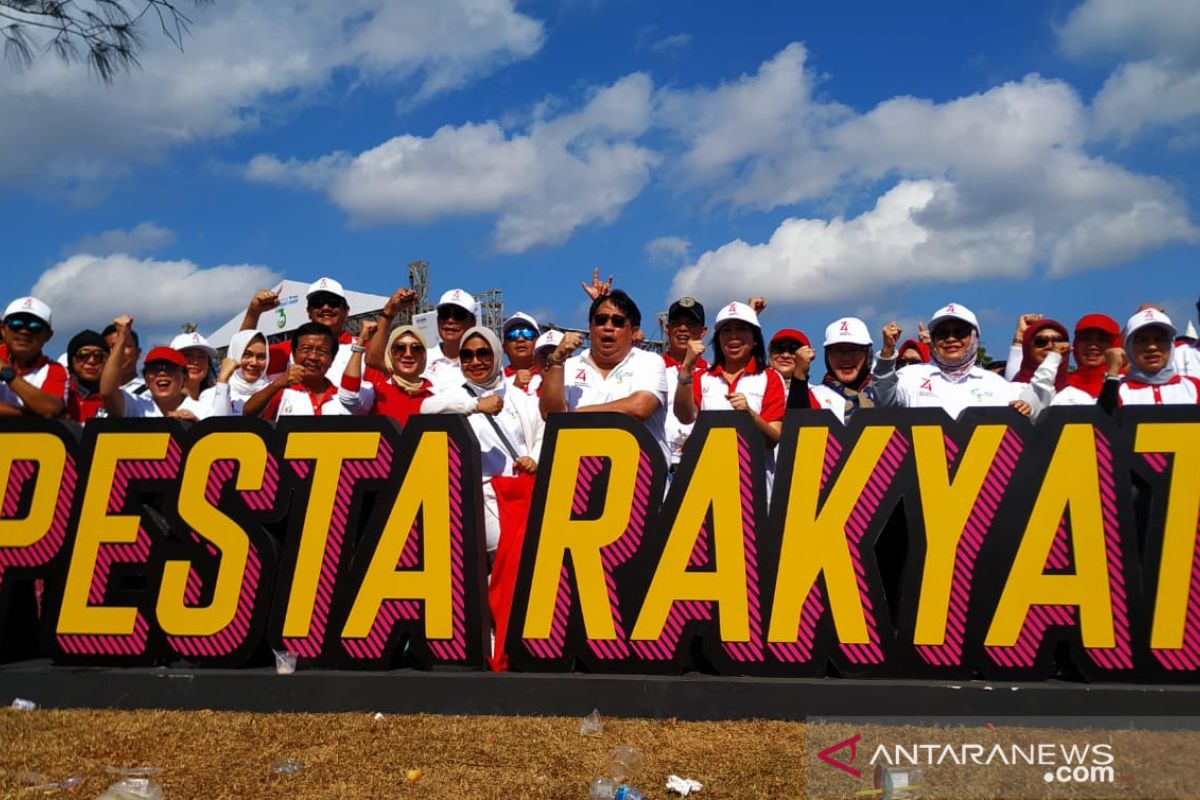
(456, 312)
(30, 383)
(611, 375)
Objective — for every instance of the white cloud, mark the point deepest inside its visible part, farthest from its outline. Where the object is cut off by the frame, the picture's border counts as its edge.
(145, 237)
(1159, 85)
(542, 183)
(668, 250)
(672, 44)
(241, 57)
(1133, 30)
(991, 184)
(88, 291)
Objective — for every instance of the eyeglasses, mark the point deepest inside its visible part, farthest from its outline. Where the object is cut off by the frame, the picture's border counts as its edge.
(90, 355)
(309, 350)
(952, 332)
(1047, 341)
(25, 324)
(325, 301)
(453, 312)
(404, 347)
(785, 348)
(617, 320)
(156, 367)
(520, 334)
(908, 362)
(482, 354)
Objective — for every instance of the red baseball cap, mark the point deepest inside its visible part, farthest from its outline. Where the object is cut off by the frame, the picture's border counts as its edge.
(171, 356)
(790, 333)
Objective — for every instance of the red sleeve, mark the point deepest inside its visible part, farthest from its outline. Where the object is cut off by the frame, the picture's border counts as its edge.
(272, 409)
(351, 384)
(277, 357)
(774, 403)
(56, 381)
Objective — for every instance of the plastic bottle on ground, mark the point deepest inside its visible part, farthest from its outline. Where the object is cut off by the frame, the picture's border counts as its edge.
(608, 789)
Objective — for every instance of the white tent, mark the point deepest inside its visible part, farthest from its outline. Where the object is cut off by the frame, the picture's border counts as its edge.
(292, 312)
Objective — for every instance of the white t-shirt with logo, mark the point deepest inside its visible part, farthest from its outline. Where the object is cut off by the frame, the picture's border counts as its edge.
(926, 386)
(640, 371)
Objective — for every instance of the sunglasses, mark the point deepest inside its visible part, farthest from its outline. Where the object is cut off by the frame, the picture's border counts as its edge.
(455, 313)
(953, 332)
(405, 347)
(156, 367)
(1046, 341)
(90, 355)
(25, 324)
(520, 334)
(908, 362)
(786, 348)
(617, 320)
(325, 301)
(482, 354)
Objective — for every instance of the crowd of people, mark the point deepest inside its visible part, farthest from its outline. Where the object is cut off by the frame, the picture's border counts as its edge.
(393, 371)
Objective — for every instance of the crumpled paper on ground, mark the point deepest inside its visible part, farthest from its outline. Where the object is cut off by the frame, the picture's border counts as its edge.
(682, 786)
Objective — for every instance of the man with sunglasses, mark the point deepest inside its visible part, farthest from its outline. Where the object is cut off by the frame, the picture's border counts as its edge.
(519, 334)
(326, 305)
(456, 312)
(30, 383)
(611, 375)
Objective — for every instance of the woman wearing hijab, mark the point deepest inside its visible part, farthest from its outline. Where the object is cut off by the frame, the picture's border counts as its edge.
(400, 391)
(87, 353)
(1095, 335)
(507, 422)
(244, 368)
(1152, 378)
(953, 381)
(912, 351)
(846, 386)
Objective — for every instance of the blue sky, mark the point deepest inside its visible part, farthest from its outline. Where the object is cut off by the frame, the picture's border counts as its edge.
(839, 158)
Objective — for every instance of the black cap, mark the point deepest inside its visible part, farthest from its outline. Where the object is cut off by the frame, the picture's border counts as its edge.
(686, 307)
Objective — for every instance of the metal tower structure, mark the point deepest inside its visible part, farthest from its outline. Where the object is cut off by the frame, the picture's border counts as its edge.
(418, 281)
(491, 309)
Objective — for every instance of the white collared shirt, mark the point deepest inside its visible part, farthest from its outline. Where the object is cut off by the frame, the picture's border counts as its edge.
(441, 371)
(926, 386)
(640, 371)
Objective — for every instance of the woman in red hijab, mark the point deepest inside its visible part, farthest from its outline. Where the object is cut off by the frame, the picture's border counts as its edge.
(1041, 339)
(1094, 334)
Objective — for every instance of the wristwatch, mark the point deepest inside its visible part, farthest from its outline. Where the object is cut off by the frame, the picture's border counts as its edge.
(7, 374)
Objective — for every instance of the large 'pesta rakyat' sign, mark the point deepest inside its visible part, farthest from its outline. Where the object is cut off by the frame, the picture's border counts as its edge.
(904, 545)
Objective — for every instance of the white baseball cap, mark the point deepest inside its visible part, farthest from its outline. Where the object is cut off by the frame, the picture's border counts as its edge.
(328, 285)
(848, 330)
(457, 297)
(185, 341)
(548, 339)
(736, 310)
(518, 319)
(31, 306)
(1144, 319)
(954, 311)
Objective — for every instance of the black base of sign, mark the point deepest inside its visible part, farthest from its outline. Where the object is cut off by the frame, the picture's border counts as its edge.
(689, 697)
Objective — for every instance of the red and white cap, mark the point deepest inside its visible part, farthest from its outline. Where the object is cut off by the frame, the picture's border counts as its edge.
(31, 306)
(188, 341)
(520, 319)
(954, 311)
(736, 310)
(328, 285)
(848, 330)
(1144, 319)
(457, 297)
(548, 339)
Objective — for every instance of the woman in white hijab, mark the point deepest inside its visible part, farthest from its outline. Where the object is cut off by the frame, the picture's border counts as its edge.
(507, 423)
(244, 368)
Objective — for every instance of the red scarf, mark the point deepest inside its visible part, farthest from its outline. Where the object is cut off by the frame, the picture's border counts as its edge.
(1091, 379)
(1029, 365)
